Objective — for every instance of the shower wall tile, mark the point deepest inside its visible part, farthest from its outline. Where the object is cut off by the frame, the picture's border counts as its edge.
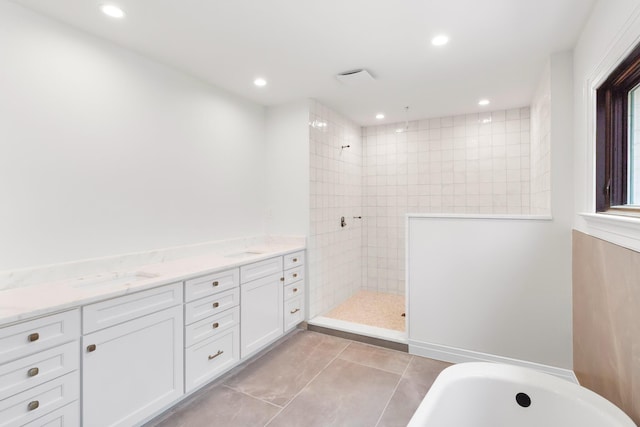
(334, 252)
(473, 163)
(541, 147)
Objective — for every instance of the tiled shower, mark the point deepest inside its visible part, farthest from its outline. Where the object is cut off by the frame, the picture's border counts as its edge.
(471, 164)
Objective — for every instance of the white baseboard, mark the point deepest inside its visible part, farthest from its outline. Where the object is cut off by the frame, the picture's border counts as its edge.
(458, 355)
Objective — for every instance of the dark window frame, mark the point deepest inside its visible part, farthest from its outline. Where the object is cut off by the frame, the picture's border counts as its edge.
(612, 127)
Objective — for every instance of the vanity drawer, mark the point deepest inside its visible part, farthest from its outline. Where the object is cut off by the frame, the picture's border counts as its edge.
(293, 275)
(122, 309)
(33, 336)
(260, 269)
(38, 368)
(210, 358)
(67, 416)
(293, 312)
(293, 260)
(211, 326)
(205, 307)
(211, 284)
(29, 405)
(293, 290)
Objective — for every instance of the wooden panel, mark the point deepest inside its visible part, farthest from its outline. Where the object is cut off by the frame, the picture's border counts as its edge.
(606, 321)
(122, 309)
(22, 339)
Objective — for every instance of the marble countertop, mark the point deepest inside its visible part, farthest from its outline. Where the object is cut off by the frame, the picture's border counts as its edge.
(33, 301)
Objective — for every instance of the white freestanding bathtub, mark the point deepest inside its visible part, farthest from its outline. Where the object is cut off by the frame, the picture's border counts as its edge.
(496, 395)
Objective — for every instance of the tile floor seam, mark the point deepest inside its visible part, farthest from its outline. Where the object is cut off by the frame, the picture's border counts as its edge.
(394, 392)
(309, 382)
(376, 367)
(251, 396)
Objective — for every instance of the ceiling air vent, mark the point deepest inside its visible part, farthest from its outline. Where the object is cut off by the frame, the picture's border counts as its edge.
(355, 77)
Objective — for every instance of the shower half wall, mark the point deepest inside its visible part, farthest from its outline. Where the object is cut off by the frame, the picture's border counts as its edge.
(474, 163)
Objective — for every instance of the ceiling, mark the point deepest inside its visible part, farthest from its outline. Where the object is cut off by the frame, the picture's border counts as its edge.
(497, 48)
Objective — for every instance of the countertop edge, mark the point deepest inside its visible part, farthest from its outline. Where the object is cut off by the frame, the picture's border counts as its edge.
(76, 303)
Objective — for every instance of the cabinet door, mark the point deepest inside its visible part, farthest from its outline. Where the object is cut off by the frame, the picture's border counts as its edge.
(132, 370)
(261, 313)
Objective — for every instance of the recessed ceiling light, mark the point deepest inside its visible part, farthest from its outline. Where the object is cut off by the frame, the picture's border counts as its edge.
(483, 102)
(379, 116)
(260, 82)
(440, 40)
(112, 11)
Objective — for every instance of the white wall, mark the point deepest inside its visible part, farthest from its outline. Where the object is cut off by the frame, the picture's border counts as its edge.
(287, 165)
(612, 31)
(512, 278)
(104, 152)
(486, 288)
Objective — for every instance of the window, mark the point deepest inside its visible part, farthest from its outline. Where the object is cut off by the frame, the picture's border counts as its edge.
(618, 139)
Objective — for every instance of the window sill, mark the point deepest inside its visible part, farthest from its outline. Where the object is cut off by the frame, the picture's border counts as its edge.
(617, 229)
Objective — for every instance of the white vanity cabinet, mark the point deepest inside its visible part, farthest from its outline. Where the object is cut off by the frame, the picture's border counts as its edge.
(294, 285)
(261, 310)
(212, 332)
(39, 371)
(134, 367)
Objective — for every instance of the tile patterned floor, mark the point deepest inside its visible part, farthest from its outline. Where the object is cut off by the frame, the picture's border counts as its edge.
(312, 379)
(372, 308)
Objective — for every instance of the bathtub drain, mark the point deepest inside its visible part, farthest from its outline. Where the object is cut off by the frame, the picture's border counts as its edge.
(523, 400)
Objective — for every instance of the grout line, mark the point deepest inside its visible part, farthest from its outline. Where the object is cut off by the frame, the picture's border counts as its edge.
(251, 396)
(310, 381)
(379, 368)
(394, 392)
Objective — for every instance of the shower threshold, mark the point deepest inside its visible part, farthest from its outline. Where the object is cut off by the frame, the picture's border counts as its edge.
(399, 337)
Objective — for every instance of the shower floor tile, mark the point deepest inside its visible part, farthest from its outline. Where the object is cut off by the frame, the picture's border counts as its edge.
(373, 309)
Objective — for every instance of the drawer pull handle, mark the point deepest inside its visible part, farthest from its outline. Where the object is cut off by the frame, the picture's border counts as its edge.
(33, 337)
(33, 372)
(295, 311)
(216, 304)
(91, 348)
(215, 325)
(213, 356)
(282, 279)
(295, 260)
(215, 283)
(34, 404)
(295, 289)
(295, 275)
